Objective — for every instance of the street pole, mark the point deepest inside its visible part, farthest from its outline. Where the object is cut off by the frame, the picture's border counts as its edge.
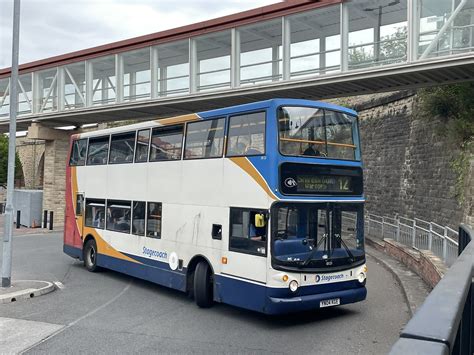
(7, 239)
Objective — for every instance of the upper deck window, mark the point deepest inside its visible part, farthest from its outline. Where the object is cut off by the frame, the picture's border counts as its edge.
(121, 148)
(166, 143)
(98, 151)
(143, 139)
(78, 154)
(246, 135)
(204, 139)
(309, 131)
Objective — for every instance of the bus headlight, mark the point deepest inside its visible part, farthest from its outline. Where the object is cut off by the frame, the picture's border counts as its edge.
(293, 285)
(361, 277)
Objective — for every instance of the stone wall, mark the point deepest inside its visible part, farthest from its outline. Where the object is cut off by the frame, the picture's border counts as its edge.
(54, 190)
(31, 154)
(407, 162)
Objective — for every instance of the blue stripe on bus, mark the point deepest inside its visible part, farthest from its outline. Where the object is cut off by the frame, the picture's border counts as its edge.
(150, 262)
(161, 276)
(72, 251)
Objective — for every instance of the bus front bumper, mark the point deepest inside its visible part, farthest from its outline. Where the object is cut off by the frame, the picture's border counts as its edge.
(277, 305)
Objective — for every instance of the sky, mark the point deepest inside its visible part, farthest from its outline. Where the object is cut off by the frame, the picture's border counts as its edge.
(53, 27)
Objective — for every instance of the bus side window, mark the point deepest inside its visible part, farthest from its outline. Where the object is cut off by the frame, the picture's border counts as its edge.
(98, 151)
(143, 141)
(153, 220)
(204, 139)
(118, 216)
(138, 218)
(166, 143)
(121, 148)
(78, 154)
(95, 213)
(246, 135)
(248, 231)
(79, 204)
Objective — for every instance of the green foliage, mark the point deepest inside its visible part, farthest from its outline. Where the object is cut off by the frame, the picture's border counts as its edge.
(4, 161)
(393, 48)
(453, 105)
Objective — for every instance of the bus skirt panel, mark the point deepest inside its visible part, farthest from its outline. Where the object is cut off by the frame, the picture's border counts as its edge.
(258, 297)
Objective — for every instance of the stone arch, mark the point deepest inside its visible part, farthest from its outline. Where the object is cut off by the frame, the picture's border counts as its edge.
(39, 176)
(19, 177)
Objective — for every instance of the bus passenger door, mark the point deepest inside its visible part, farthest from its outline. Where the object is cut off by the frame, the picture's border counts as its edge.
(244, 262)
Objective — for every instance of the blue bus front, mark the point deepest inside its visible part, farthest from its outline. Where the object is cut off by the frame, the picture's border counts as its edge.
(317, 256)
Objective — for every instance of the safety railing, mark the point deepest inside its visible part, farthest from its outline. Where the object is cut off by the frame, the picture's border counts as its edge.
(444, 324)
(415, 233)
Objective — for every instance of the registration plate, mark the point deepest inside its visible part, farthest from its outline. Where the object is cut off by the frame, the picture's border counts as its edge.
(330, 303)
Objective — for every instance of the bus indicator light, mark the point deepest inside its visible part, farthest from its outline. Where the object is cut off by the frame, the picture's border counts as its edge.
(285, 278)
(224, 260)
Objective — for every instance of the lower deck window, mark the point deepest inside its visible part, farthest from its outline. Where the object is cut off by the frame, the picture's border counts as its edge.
(248, 231)
(95, 213)
(138, 225)
(118, 216)
(153, 224)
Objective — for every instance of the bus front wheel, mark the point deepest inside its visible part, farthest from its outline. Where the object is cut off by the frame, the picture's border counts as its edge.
(90, 256)
(203, 285)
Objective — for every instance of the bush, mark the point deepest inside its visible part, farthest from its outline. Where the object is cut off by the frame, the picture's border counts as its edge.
(4, 161)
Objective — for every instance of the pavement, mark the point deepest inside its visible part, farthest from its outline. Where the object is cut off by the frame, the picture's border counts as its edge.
(414, 288)
(25, 230)
(25, 289)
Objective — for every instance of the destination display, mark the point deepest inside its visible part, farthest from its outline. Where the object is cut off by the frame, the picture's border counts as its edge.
(305, 179)
(323, 183)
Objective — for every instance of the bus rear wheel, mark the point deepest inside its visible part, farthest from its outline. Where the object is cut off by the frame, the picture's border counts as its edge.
(203, 285)
(90, 256)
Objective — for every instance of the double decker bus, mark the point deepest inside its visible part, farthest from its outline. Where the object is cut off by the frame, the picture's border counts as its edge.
(258, 206)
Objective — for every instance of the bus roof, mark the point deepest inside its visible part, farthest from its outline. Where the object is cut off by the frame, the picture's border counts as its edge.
(275, 103)
(260, 105)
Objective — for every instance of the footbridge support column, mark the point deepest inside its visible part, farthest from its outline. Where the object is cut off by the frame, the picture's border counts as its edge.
(55, 156)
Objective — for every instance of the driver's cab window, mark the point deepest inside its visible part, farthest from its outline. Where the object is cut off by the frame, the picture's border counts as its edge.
(248, 231)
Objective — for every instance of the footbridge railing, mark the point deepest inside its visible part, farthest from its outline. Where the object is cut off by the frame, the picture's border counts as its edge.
(444, 324)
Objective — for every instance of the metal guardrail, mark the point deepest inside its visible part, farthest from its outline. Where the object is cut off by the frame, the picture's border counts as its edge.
(415, 233)
(444, 324)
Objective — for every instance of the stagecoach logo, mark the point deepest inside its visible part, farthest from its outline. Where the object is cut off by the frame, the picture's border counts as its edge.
(329, 278)
(290, 182)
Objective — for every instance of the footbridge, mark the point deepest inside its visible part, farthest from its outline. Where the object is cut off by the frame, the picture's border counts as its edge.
(301, 49)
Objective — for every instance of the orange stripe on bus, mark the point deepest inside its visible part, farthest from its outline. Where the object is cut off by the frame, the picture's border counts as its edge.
(178, 119)
(245, 165)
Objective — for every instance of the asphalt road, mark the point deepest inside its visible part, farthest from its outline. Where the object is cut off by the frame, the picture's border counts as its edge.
(108, 312)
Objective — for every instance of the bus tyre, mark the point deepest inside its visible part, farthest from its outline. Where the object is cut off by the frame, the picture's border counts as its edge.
(90, 256)
(203, 293)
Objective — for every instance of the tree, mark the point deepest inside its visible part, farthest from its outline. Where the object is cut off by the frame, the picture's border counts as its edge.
(393, 48)
(4, 162)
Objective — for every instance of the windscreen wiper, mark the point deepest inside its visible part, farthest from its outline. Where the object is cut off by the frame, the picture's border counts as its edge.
(310, 256)
(348, 251)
